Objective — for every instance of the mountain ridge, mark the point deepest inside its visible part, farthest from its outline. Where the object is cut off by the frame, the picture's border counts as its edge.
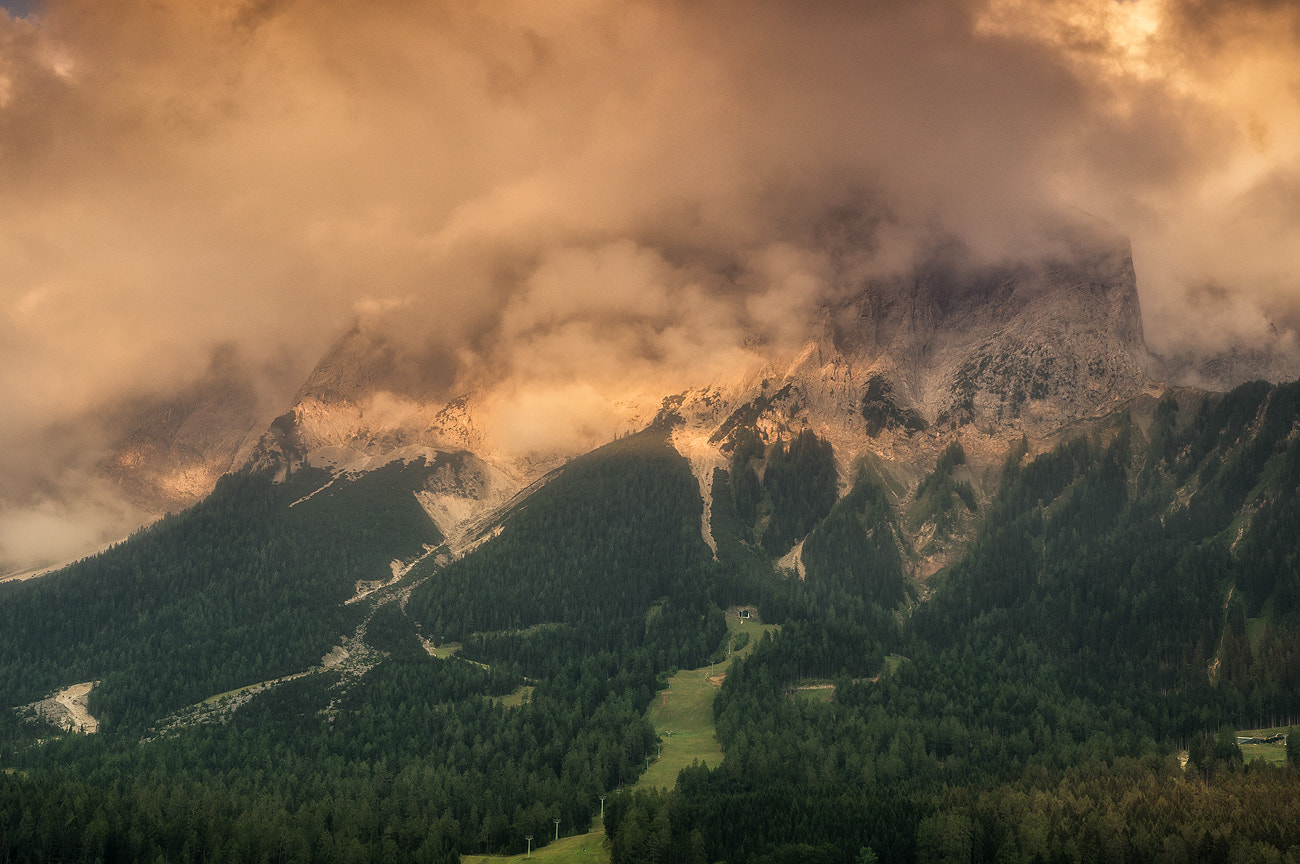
(893, 367)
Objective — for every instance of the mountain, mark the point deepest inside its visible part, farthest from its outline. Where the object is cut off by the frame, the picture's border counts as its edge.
(1017, 600)
(894, 369)
(342, 421)
(114, 466)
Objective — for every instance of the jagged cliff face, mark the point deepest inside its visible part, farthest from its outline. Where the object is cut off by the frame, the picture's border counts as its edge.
(1023, 346)
(993, 352)
(368, 401)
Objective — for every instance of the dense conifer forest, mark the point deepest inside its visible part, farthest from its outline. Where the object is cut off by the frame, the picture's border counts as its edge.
(1129, 596)
(1034, 707)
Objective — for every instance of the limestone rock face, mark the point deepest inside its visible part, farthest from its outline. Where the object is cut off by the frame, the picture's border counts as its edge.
(370, 402)
(991, 354)
(1017, 346)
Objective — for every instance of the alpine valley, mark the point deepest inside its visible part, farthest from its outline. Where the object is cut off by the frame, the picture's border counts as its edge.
(968, 578)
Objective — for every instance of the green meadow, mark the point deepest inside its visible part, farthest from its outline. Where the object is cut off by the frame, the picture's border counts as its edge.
(579, 849)
(683, 713)
(1273, 754)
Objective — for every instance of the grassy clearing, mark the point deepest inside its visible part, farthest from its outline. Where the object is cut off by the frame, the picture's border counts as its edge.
(754, 627)
(1273, 754)
(234, 692)
(1255, 627)
(521, 695)
(683, 717)
(683, 714)
(580, 849)
(451, 649)
(814, 692)
(892, 662)
(212, 699)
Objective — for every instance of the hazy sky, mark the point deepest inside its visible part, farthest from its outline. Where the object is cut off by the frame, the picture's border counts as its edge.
(518, 186)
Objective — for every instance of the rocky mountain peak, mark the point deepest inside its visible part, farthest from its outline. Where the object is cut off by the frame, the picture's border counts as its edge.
(1005, 349)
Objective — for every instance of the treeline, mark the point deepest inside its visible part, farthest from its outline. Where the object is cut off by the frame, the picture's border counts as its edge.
(854, 555)
(415, 764)
(417, 758)
(912, 768)
(798, 488)
(1088, 553)
(1127, 809)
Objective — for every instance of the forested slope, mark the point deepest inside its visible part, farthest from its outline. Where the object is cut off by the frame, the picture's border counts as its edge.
(1130, 592)
(607, 556)
(596, 585)
(238, 589)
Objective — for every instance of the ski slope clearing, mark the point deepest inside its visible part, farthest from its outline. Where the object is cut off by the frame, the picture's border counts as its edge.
(683, 713)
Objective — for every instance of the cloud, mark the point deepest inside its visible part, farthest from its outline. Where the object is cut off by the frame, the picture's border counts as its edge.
(53, 532)
(600, 334)
(1191, 146)
(598, 196)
